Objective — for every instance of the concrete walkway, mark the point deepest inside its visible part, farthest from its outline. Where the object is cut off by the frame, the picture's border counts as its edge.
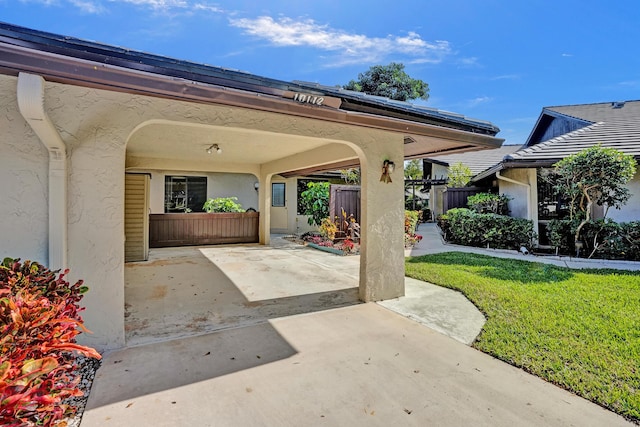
(432, 243)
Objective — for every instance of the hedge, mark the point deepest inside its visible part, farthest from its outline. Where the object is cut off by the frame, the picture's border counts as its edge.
(466, 227)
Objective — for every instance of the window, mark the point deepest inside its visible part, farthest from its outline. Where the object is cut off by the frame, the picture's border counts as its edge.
(184, 193)
(278, 194)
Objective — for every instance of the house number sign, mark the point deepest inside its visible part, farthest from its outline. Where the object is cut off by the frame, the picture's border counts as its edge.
(308, 99)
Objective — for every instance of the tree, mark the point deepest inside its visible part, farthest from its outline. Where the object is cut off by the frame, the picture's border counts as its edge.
(390, 81)
(594, 175)
(459, 175)
(350, 176)
(315, 202)
(413, 169)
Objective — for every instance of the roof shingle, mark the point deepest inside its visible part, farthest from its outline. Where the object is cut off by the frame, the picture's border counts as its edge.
(614, 127)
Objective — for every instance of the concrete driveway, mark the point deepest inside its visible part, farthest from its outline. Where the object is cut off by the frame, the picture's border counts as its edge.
(283, 341)
(361, 365)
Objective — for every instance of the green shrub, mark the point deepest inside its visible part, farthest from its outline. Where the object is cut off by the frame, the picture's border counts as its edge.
(39, 320)
(314, 202)
(603, 238)
(560, 234)
(222, 204)
(489, 203)
(466, 227)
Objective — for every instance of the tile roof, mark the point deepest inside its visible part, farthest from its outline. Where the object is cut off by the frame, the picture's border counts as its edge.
(600, 112)
(617, 128)
(477, 161)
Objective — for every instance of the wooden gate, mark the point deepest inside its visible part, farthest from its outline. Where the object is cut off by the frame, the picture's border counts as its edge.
(347, 198)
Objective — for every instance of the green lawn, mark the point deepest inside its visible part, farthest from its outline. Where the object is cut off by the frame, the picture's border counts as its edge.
(579, 329)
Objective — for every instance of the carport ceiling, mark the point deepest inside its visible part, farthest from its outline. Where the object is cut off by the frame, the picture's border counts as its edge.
(239, 146)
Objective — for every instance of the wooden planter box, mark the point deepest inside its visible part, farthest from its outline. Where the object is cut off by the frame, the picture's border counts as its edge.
(189, 229)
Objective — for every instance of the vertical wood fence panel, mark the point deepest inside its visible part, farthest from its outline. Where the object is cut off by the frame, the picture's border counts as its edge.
(345, 197)
(176, 229)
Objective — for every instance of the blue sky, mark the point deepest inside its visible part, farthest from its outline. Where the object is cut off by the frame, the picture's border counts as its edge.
(495, 60)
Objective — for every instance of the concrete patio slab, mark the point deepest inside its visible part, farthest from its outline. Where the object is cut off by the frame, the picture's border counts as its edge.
(360, 365)
(189, 291)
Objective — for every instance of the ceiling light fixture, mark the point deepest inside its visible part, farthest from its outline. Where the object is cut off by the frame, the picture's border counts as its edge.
(214, 147)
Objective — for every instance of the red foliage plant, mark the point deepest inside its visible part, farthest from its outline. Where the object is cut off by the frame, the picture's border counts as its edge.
(348, 245)
(39, 320)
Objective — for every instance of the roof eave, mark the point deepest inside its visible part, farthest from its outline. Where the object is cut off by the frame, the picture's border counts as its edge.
(81, 72)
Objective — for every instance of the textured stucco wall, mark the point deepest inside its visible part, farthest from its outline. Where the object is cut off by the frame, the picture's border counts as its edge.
(24, 175)
(96, 126)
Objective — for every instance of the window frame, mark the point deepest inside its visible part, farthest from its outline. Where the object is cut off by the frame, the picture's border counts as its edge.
(188, 202)
(282, 194)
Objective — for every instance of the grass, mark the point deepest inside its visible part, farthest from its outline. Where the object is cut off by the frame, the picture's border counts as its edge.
(579, 329)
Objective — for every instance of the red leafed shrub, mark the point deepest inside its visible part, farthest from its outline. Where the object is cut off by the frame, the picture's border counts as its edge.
(39, 321)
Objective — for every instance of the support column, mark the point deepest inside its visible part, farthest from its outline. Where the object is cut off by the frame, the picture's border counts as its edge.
(382, 243)
(264, 203)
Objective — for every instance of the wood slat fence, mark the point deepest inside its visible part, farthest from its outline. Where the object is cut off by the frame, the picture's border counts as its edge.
(186, 229)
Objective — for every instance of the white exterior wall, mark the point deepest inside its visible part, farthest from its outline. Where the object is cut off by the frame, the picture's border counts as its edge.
(630, 211)
(522, 204)
(24, 175)
(96, 126)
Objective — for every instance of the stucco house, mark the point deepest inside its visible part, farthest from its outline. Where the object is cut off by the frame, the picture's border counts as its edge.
(79, 118)
(436, 170)
(559, 132)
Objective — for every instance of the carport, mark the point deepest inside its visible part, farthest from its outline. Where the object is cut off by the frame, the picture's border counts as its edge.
(100, 111)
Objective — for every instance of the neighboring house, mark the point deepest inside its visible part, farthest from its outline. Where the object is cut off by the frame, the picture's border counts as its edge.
(81, 119)
(436, 171)
(559, 132)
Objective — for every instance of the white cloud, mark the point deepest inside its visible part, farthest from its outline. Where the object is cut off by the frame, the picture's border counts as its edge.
(506, 77)
(471, 61)
(630, 83)
(45, 2)
(88, 6)
(156, 4)
(98, 6)
(350, 47)
(477, 101)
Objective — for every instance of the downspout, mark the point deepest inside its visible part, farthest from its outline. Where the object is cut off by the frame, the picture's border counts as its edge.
(31, 105)
(504, 178)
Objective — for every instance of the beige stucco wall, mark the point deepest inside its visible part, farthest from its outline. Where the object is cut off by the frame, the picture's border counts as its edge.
(96, 126)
